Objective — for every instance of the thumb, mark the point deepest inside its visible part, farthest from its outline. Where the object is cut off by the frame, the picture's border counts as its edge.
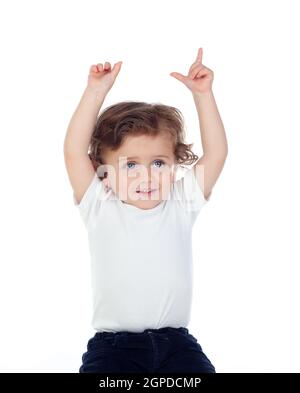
(178, 76)
(116, 68)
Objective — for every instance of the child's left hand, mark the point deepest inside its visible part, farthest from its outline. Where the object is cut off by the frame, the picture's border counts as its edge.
(199, 78)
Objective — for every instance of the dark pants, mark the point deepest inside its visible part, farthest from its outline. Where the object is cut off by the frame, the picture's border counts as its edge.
(164, 350)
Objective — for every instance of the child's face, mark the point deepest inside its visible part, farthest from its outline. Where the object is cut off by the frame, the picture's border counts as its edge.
(142, 163)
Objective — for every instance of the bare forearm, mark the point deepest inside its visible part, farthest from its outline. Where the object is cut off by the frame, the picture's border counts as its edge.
(213, 137)
(82, 123)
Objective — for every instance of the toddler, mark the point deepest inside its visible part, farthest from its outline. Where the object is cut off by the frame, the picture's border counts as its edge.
(123, 166)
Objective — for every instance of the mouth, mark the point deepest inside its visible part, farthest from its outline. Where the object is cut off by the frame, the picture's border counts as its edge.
(146, 192)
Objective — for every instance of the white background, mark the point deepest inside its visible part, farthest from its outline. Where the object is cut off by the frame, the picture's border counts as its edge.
(246, 240)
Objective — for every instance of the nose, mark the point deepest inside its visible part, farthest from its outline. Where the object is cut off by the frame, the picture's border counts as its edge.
(145, 176)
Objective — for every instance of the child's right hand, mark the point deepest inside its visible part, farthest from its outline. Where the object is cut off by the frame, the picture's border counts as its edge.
(103, 78)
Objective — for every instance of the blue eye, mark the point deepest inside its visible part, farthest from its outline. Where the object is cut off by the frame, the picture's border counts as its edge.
(128, 163)
(162, 163)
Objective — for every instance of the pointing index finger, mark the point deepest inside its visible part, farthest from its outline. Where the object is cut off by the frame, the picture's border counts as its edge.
(199, 55)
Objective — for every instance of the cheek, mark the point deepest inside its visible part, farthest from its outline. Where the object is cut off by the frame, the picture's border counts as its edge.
(166, 182)
(165, 177)
(124, 182)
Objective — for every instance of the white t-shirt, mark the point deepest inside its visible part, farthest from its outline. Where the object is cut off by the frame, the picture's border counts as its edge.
(141, 260)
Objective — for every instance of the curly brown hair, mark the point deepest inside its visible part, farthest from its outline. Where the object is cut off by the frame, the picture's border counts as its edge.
(139, 118)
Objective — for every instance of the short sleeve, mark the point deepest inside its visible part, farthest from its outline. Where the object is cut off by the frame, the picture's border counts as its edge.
(189, 192)
(91, 200)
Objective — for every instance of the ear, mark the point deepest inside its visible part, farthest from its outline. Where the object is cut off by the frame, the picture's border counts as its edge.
(102, 172)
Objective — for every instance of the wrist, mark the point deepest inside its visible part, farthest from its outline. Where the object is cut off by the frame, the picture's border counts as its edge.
(95, 92)
(207, 93)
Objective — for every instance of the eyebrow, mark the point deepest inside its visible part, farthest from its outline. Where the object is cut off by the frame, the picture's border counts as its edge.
(133, 158)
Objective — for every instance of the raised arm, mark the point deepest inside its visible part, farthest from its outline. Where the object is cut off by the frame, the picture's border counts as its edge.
(214, 143)
(78, 164)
